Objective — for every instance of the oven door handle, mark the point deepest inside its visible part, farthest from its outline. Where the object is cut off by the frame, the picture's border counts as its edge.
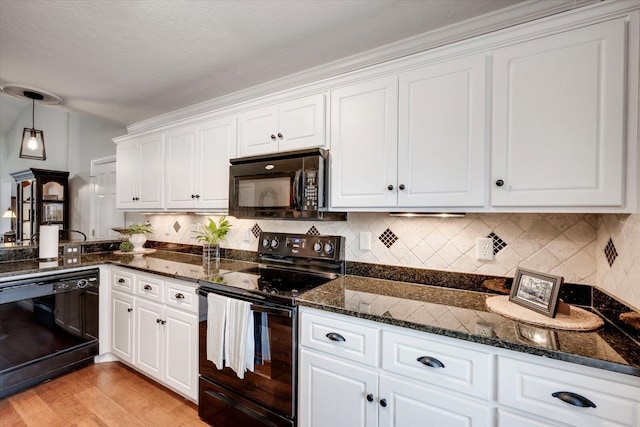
(272, 310)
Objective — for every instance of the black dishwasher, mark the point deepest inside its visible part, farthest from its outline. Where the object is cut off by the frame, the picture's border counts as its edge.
(48, 326)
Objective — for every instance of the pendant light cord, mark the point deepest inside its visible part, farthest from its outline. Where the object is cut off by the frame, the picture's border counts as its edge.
(33, 113)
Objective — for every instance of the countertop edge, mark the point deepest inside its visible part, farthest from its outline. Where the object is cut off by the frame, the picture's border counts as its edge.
(492, 342)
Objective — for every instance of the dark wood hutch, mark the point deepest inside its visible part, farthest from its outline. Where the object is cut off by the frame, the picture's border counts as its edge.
(42, 198)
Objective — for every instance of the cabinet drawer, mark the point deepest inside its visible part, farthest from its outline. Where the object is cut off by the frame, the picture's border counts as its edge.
(149, 287)
(530, 387)
(427, 359)
(346, 338)
(123, 281)
(510, 419)
(181, 296)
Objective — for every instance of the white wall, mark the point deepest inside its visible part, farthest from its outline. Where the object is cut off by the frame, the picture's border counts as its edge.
(72, 141)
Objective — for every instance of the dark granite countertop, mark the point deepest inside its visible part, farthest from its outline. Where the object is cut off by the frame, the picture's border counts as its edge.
(460, 314)
(170, 264)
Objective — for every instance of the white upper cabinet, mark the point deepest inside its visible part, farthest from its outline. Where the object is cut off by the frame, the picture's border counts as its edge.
(559, 119)
(441, 134)
(197, 164)
(413, 141)
(364, 144)
(139, 172)
(288, 126)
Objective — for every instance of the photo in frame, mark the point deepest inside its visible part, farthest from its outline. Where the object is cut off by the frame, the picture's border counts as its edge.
(536, 291)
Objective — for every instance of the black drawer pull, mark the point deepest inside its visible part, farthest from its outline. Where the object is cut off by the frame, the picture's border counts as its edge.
(431, 362)
(147, 287)
(369, 397)
(334, 336)
(121, 280)
(574, 399)
(179, 296)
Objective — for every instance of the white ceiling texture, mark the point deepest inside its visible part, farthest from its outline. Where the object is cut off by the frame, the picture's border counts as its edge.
(127, 61)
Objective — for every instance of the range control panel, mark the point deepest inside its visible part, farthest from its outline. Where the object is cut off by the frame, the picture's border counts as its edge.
(302, 246)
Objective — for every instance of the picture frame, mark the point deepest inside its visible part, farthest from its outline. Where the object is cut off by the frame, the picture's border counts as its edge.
(536, 291)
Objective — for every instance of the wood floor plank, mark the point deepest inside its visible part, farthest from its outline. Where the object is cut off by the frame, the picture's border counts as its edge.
(104, 395)
(8, 416)
(33, 410)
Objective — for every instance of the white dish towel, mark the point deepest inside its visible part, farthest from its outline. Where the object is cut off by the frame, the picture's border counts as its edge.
(216, 319)
(239, 349)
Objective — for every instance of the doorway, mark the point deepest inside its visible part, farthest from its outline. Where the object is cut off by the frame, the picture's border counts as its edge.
(104, 215)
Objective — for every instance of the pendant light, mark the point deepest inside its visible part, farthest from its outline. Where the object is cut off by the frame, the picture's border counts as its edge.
(32, 146)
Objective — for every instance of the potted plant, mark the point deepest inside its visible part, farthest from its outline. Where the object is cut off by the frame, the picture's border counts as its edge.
(137, 235)
(210, 235)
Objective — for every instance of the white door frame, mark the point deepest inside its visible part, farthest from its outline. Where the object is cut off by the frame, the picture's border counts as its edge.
(92, 205)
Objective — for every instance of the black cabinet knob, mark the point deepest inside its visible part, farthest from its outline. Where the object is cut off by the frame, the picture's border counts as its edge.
(574, 399)
(129, 310)
(273, 137)
(370, 397)
(193, 196)
(390, 187)
(401, 186)
(383, 403)
(197, 196)
(158, 320)
(499, 183)
(280, 135)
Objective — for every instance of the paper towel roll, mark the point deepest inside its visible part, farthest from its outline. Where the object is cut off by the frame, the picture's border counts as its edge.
(48, 242)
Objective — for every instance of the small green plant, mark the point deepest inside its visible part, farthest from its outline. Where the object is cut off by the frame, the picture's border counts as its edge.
(213, 234)
(140, 229)
(126, 246)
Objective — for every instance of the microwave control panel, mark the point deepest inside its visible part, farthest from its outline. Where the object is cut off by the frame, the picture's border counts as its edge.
(310, 197)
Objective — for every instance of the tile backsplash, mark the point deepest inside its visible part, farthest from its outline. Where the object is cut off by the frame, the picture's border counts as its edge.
(569, 245)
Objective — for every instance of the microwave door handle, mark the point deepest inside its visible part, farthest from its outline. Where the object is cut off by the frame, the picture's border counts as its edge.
(297, 190)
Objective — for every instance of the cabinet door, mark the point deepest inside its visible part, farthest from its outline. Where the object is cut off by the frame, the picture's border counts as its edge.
(410, 405)
(558, 119)
(364, 144)
(301, 123)
(151, 171)
(441, 149)
(258, 131)
(334, 393)
(216, 145)
(127, 174)
(180, 351)
(180, 167)
(148, 333)
(122, 322)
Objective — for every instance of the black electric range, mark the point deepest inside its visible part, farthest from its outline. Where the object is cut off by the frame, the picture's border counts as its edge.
(289, 264)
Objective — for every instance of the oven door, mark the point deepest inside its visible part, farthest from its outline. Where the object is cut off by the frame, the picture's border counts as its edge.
(272, 382)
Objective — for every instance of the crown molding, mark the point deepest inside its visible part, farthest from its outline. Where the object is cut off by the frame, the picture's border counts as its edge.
(518, 14)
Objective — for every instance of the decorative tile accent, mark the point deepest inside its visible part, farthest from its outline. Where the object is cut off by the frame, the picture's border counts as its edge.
(176, 226)
(388, 238)
(256, 230)
(313, 231)
(610, 252)
(498, 243)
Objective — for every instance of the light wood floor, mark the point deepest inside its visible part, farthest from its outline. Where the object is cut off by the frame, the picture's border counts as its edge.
(106, 394)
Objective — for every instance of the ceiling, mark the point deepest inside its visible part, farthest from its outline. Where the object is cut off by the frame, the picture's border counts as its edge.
(127, 61)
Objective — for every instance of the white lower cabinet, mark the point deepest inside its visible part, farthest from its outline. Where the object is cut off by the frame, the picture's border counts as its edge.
(356, 372)
(343, 382)
(155, 329)
(122, 321)
(334, 392)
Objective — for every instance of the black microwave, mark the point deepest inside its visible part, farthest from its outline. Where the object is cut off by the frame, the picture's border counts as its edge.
(289, 185)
